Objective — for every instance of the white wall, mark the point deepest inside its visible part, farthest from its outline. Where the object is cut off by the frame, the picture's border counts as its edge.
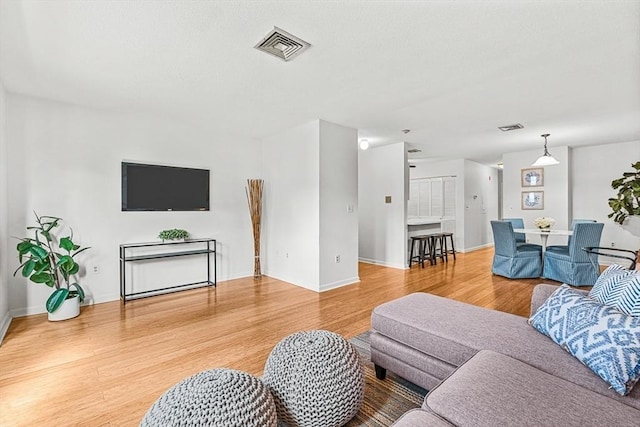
(6, 246)
(578, 187)
(66, 160)
(383, 171)
(480, 204)
(557, 196)
(472, 214)
(338, 205)
(593, 169)
(292, 205)
(310, 178)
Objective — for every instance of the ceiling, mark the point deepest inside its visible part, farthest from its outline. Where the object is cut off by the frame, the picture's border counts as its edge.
(450, 71)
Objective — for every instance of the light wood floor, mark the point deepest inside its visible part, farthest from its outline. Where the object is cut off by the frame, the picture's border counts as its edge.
(106, 367)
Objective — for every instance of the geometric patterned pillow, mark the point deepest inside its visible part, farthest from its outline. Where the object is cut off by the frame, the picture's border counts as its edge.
(601, 337)
(619, 288)
(607, 281)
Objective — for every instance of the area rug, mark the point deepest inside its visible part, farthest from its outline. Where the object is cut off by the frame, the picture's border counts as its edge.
(384, 401)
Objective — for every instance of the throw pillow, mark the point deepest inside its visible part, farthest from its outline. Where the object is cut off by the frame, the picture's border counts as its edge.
(619, 288)
(601, 337)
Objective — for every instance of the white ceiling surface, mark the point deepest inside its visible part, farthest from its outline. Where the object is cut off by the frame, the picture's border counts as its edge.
(451, 71)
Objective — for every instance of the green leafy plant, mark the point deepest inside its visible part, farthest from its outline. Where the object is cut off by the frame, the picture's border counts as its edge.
(627, 202)
(173, 234)
(42, 262)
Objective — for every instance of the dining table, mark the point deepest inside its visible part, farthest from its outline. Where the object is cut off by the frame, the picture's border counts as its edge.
(544, 234)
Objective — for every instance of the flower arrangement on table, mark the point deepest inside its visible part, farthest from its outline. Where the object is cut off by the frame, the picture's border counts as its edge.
(544, 223)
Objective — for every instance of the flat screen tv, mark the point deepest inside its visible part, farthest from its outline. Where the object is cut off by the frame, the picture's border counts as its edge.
(164, 188)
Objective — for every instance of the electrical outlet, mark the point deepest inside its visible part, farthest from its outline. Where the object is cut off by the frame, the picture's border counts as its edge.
(338, 259)
(613, 244)
(96, 269)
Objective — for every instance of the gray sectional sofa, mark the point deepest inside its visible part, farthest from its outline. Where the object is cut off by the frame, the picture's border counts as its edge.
(488, 368)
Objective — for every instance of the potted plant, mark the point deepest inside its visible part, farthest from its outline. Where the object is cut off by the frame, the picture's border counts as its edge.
(42, 262)
(174, 234)
(626, 204)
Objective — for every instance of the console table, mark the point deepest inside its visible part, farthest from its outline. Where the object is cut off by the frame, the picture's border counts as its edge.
(166, 250)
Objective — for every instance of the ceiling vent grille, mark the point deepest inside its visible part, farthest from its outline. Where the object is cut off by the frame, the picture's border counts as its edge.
(281, 44)
(510, 127)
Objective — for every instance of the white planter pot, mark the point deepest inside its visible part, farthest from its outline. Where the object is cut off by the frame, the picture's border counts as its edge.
(69, 309)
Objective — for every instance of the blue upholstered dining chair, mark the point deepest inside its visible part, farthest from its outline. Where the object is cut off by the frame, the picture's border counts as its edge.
(513, 260)
(573, 225)
(570, 264)
(517, 223)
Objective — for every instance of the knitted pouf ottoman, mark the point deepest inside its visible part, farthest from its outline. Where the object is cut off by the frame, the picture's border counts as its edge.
(316, 379)
(217, 397)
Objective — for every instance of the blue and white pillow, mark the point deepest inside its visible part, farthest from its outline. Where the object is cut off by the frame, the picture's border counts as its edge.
(620, 288)
(601, 337)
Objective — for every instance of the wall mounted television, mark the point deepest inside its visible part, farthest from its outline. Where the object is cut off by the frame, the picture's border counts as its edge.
(164, 188)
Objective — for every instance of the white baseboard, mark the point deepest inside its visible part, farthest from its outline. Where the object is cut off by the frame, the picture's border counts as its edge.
(4, 326)
(476, 248)
(382, 263)
(339, 284)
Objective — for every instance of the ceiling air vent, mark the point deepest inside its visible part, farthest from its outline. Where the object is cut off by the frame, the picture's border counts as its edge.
(510, 127)
(414, 150)
(284, 45)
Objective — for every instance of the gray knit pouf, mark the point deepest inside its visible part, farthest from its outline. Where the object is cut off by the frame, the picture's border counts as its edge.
(217, 397)
(316, 379)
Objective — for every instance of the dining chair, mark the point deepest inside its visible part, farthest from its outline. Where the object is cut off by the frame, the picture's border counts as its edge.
(570, 264)
(573, 225)
(517, 223)
(511, 259)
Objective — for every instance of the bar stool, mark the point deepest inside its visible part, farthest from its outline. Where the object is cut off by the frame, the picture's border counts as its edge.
(447, 251)
(437, 245)
(423, 247)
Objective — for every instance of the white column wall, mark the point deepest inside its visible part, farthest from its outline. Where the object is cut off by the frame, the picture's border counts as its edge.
(292, 205)
(65, 160)
(480, 204)
(383, 171)
(6, 245)
(338, 205)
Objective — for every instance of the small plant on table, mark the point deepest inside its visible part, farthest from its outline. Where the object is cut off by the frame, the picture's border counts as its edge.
(174, 234)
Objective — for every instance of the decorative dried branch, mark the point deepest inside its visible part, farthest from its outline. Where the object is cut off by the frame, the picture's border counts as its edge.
(254, 198)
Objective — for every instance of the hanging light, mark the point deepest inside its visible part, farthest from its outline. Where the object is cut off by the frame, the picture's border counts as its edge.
(546, 159)
(364, 144)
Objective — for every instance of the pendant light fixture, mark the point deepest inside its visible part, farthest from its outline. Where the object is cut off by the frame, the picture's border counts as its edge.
(546, 159)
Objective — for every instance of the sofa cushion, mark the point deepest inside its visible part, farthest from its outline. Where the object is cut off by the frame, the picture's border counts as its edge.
(420, 418)
(601, 337)
(619, 288)
(492, 389)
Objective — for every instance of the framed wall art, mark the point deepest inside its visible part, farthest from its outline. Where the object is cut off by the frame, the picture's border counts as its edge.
(532, 177)
(532, 200)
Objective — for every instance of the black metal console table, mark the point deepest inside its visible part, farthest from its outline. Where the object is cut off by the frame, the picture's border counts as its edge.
(208, 248)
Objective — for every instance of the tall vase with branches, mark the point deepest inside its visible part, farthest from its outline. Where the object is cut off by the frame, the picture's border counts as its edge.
(254, 198)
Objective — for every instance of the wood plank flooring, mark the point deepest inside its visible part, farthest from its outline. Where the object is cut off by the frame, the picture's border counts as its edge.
(106, 367)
